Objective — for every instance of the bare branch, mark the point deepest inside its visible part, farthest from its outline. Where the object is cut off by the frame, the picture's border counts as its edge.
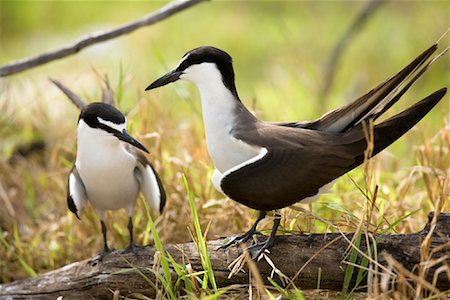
(71, 95)
(357, 25)
(94, 38)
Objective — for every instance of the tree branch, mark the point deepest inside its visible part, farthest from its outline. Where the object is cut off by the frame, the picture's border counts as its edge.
(333, 61)
(94, 38)
(302, 258)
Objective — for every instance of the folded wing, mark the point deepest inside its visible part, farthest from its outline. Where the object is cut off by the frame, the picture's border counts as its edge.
(76, 193)
(305, 160)
(150, 183)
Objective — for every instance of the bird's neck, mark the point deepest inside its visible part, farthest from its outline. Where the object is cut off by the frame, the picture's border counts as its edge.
(95, 148)
(222, 112)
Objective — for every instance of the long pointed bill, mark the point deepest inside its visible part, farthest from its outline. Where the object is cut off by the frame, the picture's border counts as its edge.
(168, 78)
(126, 137)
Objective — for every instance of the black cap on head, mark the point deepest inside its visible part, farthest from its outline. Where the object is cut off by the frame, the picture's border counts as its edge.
(107, 112)
(204, 54)
(105, 116)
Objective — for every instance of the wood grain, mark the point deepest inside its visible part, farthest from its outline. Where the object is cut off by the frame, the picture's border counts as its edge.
(117, 271)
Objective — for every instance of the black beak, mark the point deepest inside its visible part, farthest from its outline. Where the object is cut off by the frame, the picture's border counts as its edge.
(168, 78)
(126, 137)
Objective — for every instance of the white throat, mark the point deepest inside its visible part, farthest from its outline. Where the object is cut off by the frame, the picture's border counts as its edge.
(218, 108)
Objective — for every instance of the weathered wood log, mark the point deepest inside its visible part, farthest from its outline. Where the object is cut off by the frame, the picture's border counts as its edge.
(87, 280)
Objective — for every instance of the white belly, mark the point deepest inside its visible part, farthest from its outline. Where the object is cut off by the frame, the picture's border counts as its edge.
(108, 177)
(110, 190)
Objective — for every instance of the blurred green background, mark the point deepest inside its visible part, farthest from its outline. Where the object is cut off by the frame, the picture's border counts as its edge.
(280, 50)
(277, 45)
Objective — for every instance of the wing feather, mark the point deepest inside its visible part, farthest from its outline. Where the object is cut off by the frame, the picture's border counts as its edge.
(305, 160)
(372, 104)
(150, 183)
(76, 193)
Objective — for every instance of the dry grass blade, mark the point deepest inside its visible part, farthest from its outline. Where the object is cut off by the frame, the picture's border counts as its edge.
(442, 36)
(444, 268)
(408, 274)
(7, 201)
(368, 269)
(237, 265)
(254, 275)
(372, 276)
(311, 259)
(344, 236)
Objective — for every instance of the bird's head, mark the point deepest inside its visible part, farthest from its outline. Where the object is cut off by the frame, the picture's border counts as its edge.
(203, 66)
(102, 120)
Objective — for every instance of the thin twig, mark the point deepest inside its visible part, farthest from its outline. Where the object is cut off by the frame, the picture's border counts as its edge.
(94, 38)
(357, 25)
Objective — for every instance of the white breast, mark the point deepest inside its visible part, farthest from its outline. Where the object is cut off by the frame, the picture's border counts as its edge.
(106, 169)
(225, 150)
(218, 105)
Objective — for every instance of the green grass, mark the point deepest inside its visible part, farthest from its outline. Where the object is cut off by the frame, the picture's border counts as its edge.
(279, 53)
(166, 277)
(200, 241)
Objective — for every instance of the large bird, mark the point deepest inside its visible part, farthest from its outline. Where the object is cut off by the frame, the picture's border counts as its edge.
(268, 166)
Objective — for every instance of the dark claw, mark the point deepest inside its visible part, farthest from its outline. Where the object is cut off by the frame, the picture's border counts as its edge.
(132, 248)
(99, 257)
(239, 239)
(242, 238)
(259, 248)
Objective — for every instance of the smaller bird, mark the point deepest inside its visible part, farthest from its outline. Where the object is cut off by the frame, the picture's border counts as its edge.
(109, 170)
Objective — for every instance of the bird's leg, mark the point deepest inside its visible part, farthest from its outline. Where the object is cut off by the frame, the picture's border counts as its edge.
(241, 238)
(106, 249)
(105, 242)
(257, 249)
(132, 246)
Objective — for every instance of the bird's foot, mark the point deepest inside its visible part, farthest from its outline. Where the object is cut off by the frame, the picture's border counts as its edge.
(132, 248)
(99, 257)
(258, 249)
(238, 239)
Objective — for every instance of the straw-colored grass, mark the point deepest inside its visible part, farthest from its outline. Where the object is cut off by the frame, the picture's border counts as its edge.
(278, 66)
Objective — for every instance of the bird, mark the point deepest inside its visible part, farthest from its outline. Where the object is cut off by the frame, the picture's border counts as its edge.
(110, 169)
(268, 166)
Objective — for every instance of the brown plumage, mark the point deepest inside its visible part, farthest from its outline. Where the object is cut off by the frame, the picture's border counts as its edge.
(271, 165)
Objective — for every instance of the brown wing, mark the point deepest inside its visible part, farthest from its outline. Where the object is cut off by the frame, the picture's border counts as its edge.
(300, 161)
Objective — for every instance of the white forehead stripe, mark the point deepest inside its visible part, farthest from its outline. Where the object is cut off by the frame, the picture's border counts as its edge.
(181, 61)
(119, 127)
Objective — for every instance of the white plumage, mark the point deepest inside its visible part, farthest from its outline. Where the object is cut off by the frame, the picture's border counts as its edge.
(108, 171)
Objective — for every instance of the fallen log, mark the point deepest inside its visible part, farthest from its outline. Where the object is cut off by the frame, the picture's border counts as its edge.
(129, 273)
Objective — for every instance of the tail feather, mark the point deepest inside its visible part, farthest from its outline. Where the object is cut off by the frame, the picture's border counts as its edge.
(381, 110)
(393, 128)
(346, 117)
